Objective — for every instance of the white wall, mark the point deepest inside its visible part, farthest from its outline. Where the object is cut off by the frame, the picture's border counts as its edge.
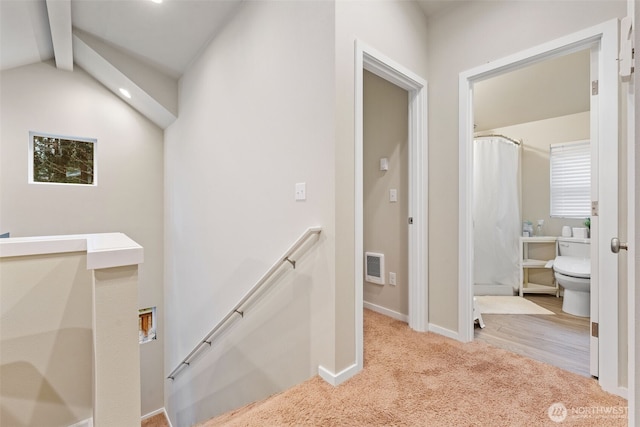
(128, 197)
(459, 39)
(256, 117)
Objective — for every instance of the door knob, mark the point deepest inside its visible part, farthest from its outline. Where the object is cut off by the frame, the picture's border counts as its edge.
(616, 245)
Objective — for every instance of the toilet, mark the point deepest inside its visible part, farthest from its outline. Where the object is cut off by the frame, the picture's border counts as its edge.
(572, 270)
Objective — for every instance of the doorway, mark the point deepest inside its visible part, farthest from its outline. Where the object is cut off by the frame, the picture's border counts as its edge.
(541, 107)
(367, 58)
(386, 207)
(602, 41)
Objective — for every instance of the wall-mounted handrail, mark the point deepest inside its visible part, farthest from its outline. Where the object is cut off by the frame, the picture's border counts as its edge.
(208, 339)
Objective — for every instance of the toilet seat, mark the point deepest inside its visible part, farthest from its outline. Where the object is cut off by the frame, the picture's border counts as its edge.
(571, 281)
(573, 266)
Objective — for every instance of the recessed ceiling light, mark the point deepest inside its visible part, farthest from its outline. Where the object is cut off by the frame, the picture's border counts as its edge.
(157, 1)
(125, 93)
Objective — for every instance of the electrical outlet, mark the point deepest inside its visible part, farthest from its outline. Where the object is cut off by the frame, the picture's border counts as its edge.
(301, 191)
(392, 278)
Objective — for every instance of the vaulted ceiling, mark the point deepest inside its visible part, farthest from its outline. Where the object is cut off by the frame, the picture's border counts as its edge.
(145, 47)
(139, 45)
(167, 35)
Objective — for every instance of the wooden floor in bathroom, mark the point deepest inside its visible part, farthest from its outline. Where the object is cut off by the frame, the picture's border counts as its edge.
(560, 339)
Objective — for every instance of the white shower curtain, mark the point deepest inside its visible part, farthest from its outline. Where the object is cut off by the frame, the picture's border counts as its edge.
(496, 216)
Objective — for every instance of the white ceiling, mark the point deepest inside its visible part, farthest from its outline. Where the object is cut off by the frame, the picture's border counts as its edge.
(25, 36)
(167, 37)
(432, 8)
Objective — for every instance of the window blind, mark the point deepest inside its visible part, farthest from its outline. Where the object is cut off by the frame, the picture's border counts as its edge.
(570, 170)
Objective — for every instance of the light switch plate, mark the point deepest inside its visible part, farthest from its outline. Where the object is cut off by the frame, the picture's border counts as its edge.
(392, 278)
(393, 195)
(301, 191)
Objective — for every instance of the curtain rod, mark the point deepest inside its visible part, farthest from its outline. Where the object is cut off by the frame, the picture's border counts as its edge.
(515, 141)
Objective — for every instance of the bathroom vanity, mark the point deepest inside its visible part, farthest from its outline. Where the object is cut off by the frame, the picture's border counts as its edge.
(527, 263)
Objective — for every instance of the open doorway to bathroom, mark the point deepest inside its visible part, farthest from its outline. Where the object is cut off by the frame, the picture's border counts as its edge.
(519, 118)
(607, 337)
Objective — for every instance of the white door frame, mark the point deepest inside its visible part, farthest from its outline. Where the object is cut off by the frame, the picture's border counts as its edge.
(605, 37)
(380, 65)
(633, 229)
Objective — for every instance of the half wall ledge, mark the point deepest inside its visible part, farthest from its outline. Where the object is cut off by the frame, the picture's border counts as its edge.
(104, 250)
(113, 260)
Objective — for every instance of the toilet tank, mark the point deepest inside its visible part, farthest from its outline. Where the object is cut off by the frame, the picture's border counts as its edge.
(576, 247)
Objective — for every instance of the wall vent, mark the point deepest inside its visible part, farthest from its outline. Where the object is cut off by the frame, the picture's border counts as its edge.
(374, 268)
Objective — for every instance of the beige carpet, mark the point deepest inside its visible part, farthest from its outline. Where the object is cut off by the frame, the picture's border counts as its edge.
(422, 379)
(508, 305)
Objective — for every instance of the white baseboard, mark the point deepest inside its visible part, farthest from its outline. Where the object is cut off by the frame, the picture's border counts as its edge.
(84, 423)
(153, 413)
(386, 312)
(620, 391)
(156, 412)
(340, 377)
(444, 331)
(89, 421)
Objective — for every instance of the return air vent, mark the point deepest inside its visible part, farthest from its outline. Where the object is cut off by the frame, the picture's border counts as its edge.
(374, 268)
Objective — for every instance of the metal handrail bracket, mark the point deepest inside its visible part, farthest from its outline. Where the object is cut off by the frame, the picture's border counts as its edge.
(208, 339)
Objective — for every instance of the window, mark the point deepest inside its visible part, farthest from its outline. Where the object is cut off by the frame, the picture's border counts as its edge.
(61, 160)
(570, 177)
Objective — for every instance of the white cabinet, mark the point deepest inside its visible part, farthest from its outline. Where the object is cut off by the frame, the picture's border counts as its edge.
(527, 263)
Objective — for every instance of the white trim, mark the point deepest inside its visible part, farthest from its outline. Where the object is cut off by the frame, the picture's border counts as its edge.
(104, 250)
(358, 211)
(386, 312)
(608, 136)
(605, 35)
(30, 150)
(465, 203)
(444, 332)
(622, 392)
(154, 413)
(377, 63)
(340, 377)
(594, 342)
(633, 238)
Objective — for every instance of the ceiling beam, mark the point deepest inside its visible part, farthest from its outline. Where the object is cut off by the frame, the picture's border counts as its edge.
(110, 76)
(59, 12)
